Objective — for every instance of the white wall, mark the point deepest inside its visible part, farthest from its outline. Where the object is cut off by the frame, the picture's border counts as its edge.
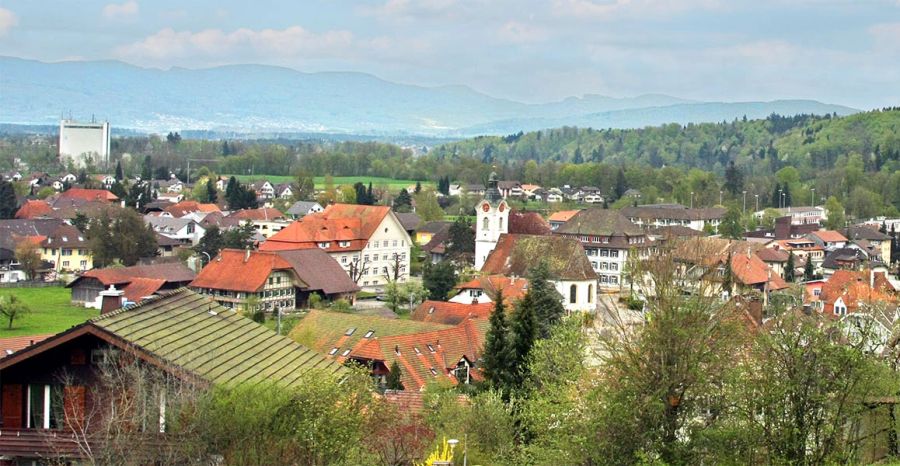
(77, 141)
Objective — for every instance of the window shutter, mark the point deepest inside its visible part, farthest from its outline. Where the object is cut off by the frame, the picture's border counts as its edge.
(12, 406)
(74, 405)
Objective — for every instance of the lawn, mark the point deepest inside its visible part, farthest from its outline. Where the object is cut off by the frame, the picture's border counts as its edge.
(391, 183)
(51, 312)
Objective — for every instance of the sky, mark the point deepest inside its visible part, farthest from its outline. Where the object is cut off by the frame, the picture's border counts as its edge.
(836, 51)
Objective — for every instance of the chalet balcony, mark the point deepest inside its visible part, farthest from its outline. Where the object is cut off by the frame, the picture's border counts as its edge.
(64, 444)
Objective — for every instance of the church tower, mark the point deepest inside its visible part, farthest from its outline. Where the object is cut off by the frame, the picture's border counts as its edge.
(492, 221)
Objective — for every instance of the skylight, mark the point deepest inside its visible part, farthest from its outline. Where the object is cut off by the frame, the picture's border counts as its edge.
(433, 372)
(430, 348)
(369, 334)
(346, 352)
(416, 348)
(333, 351)
(350, 331)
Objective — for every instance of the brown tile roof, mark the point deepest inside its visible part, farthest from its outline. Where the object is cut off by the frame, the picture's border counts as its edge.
(65, 236)
(527, 223)
(676, 231)
(237, 270)
(339, 222)
(443, 312)
(14, 230)
(88, 195)
(865, 232)
(600, 222)
(772, 255)
(319, 271)
(262, 214)
(750, 270)
(140, 281)
(12, 344)
(186, 207)
(409, 220)
(435, 226)
(517, 254)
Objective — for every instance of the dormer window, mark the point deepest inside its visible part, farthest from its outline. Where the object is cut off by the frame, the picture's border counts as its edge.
(344, 244)
(324, 245)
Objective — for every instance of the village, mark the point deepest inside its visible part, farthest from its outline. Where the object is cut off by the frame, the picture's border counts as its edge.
(377, 287)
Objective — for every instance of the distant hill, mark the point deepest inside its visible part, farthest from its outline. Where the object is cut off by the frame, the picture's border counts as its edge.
(255, 98)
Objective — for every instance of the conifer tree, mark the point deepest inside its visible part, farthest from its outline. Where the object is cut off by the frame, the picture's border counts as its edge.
(808, 270)
(7, 200)
(523, 328)
(497, 358)
(789, 268)
(120, 175)
(393, 382)
(546, 301)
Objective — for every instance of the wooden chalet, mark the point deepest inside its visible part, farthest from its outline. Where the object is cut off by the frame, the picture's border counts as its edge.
(53, 392)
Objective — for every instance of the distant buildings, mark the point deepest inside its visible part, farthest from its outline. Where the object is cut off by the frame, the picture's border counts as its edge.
(81, 142)
(661, 215)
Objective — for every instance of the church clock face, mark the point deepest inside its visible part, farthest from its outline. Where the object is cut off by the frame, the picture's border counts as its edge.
(485, 207)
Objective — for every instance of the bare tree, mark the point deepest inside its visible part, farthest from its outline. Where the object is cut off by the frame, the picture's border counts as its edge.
(358, 268)
(28, 257)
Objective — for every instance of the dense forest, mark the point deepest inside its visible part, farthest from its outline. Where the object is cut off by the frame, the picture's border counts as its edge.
(855, 159)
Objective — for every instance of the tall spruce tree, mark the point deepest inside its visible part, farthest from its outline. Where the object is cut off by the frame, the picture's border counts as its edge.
(789, 268)
(120, 175)
(403, 202)
(809, 272)
(211, 194)
(546, 301)
(497, 363)
(7, 200)
(393, 382)
(524, 328)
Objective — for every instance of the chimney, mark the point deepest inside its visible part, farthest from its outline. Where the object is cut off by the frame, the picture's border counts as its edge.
(111, 299)
(247, 255)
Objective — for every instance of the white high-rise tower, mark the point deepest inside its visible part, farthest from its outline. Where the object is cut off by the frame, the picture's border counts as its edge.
(493, 220)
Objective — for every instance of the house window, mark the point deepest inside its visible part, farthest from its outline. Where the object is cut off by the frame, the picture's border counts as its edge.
(190, 228)
(324, 245)
(395, 243)
(343, 259)
(500, 223)
(604, 253)
(573, 294)
(590, 293)
(613, 253)
(271, 280)
(65, 264)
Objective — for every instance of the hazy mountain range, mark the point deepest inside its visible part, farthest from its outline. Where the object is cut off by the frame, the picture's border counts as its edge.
(260, 99)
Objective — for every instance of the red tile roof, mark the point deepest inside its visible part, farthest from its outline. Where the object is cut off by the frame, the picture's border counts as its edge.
(444, 312)
(139, 281)
(12, 344)
(186, 207)
(773, 255)
(33, 208)
(88, 195)
(513, 288)
(527, 223)
(853, 288)
(350, 223)
(563, 215)
(829, 236)
(236, 270)
(750, 270)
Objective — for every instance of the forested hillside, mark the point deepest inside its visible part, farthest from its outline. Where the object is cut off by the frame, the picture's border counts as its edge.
(854, 158)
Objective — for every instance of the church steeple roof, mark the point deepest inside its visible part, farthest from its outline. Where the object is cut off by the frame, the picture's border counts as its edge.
(492, 194)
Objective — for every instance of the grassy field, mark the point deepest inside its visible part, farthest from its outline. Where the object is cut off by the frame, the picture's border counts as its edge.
(51, 312)
(338, 180)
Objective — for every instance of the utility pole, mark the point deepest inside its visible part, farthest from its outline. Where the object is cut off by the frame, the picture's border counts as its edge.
(745, 202)
(812, 198)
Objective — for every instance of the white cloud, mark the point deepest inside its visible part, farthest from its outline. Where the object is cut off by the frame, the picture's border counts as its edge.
(294, 41)
(8, 20)
(609, 9)
(127, 10)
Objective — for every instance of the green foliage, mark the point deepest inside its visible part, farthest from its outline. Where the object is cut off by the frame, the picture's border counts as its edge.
(789, 268)
(12, 308)
(545, 301)
(393, 382)
(461, 238)
(403, 202)
(427, 206)
(240, 237)
(52, 311)
(238, 196)
(731, 226)
(498, 360)
(835, 212)
(304, 188)
(809, 272)
(210, 244)
(523, 334)
(8, 203)
(120, 235)
(439, 279)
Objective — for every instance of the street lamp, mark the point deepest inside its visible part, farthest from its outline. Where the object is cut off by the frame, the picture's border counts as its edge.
(779, 198)
(745, 201)
(720, 197)
(812, 198)
(692, 199)
(757, 202)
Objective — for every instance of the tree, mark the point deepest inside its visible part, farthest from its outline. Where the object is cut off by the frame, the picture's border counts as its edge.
(731, 226)
(427, 207)
(393, 382)
(524, 332)
(120, 175)
(418, 187)
(620, 183)
(211, 194)
(461, 239)
(28, 257)
(120, 235)
(211, 242)
(808, 270)
(304, 188)
(8, 204)
(12, 308)
(173, 138)
(240, 237)
(545, 301)
(361, 194)
(439, 279)
(239, 196)
(835, 214)
(789, 268)
(147, 169)
(498, 364)
(734, 179)
(403, 202)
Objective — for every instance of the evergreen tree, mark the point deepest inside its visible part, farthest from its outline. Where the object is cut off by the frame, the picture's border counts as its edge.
(732, 226)
(497, 363)
(787, 195)
(524, 329)
(620, 183)
(370, 195)
(418, 187)
(546, 301)
(734, 179)
(403, 202)
(8, 202)
(578, 158)
(362, 196)
(789, 268)
(147, 169)
(211, 194)
(439, 279)
(808, 270)
(392, 381)
(210, 243)
(461, 239)
(120, 175)
(776, 196)
(119, 190)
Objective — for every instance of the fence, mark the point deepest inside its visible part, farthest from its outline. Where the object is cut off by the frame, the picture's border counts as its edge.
(32, 284)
